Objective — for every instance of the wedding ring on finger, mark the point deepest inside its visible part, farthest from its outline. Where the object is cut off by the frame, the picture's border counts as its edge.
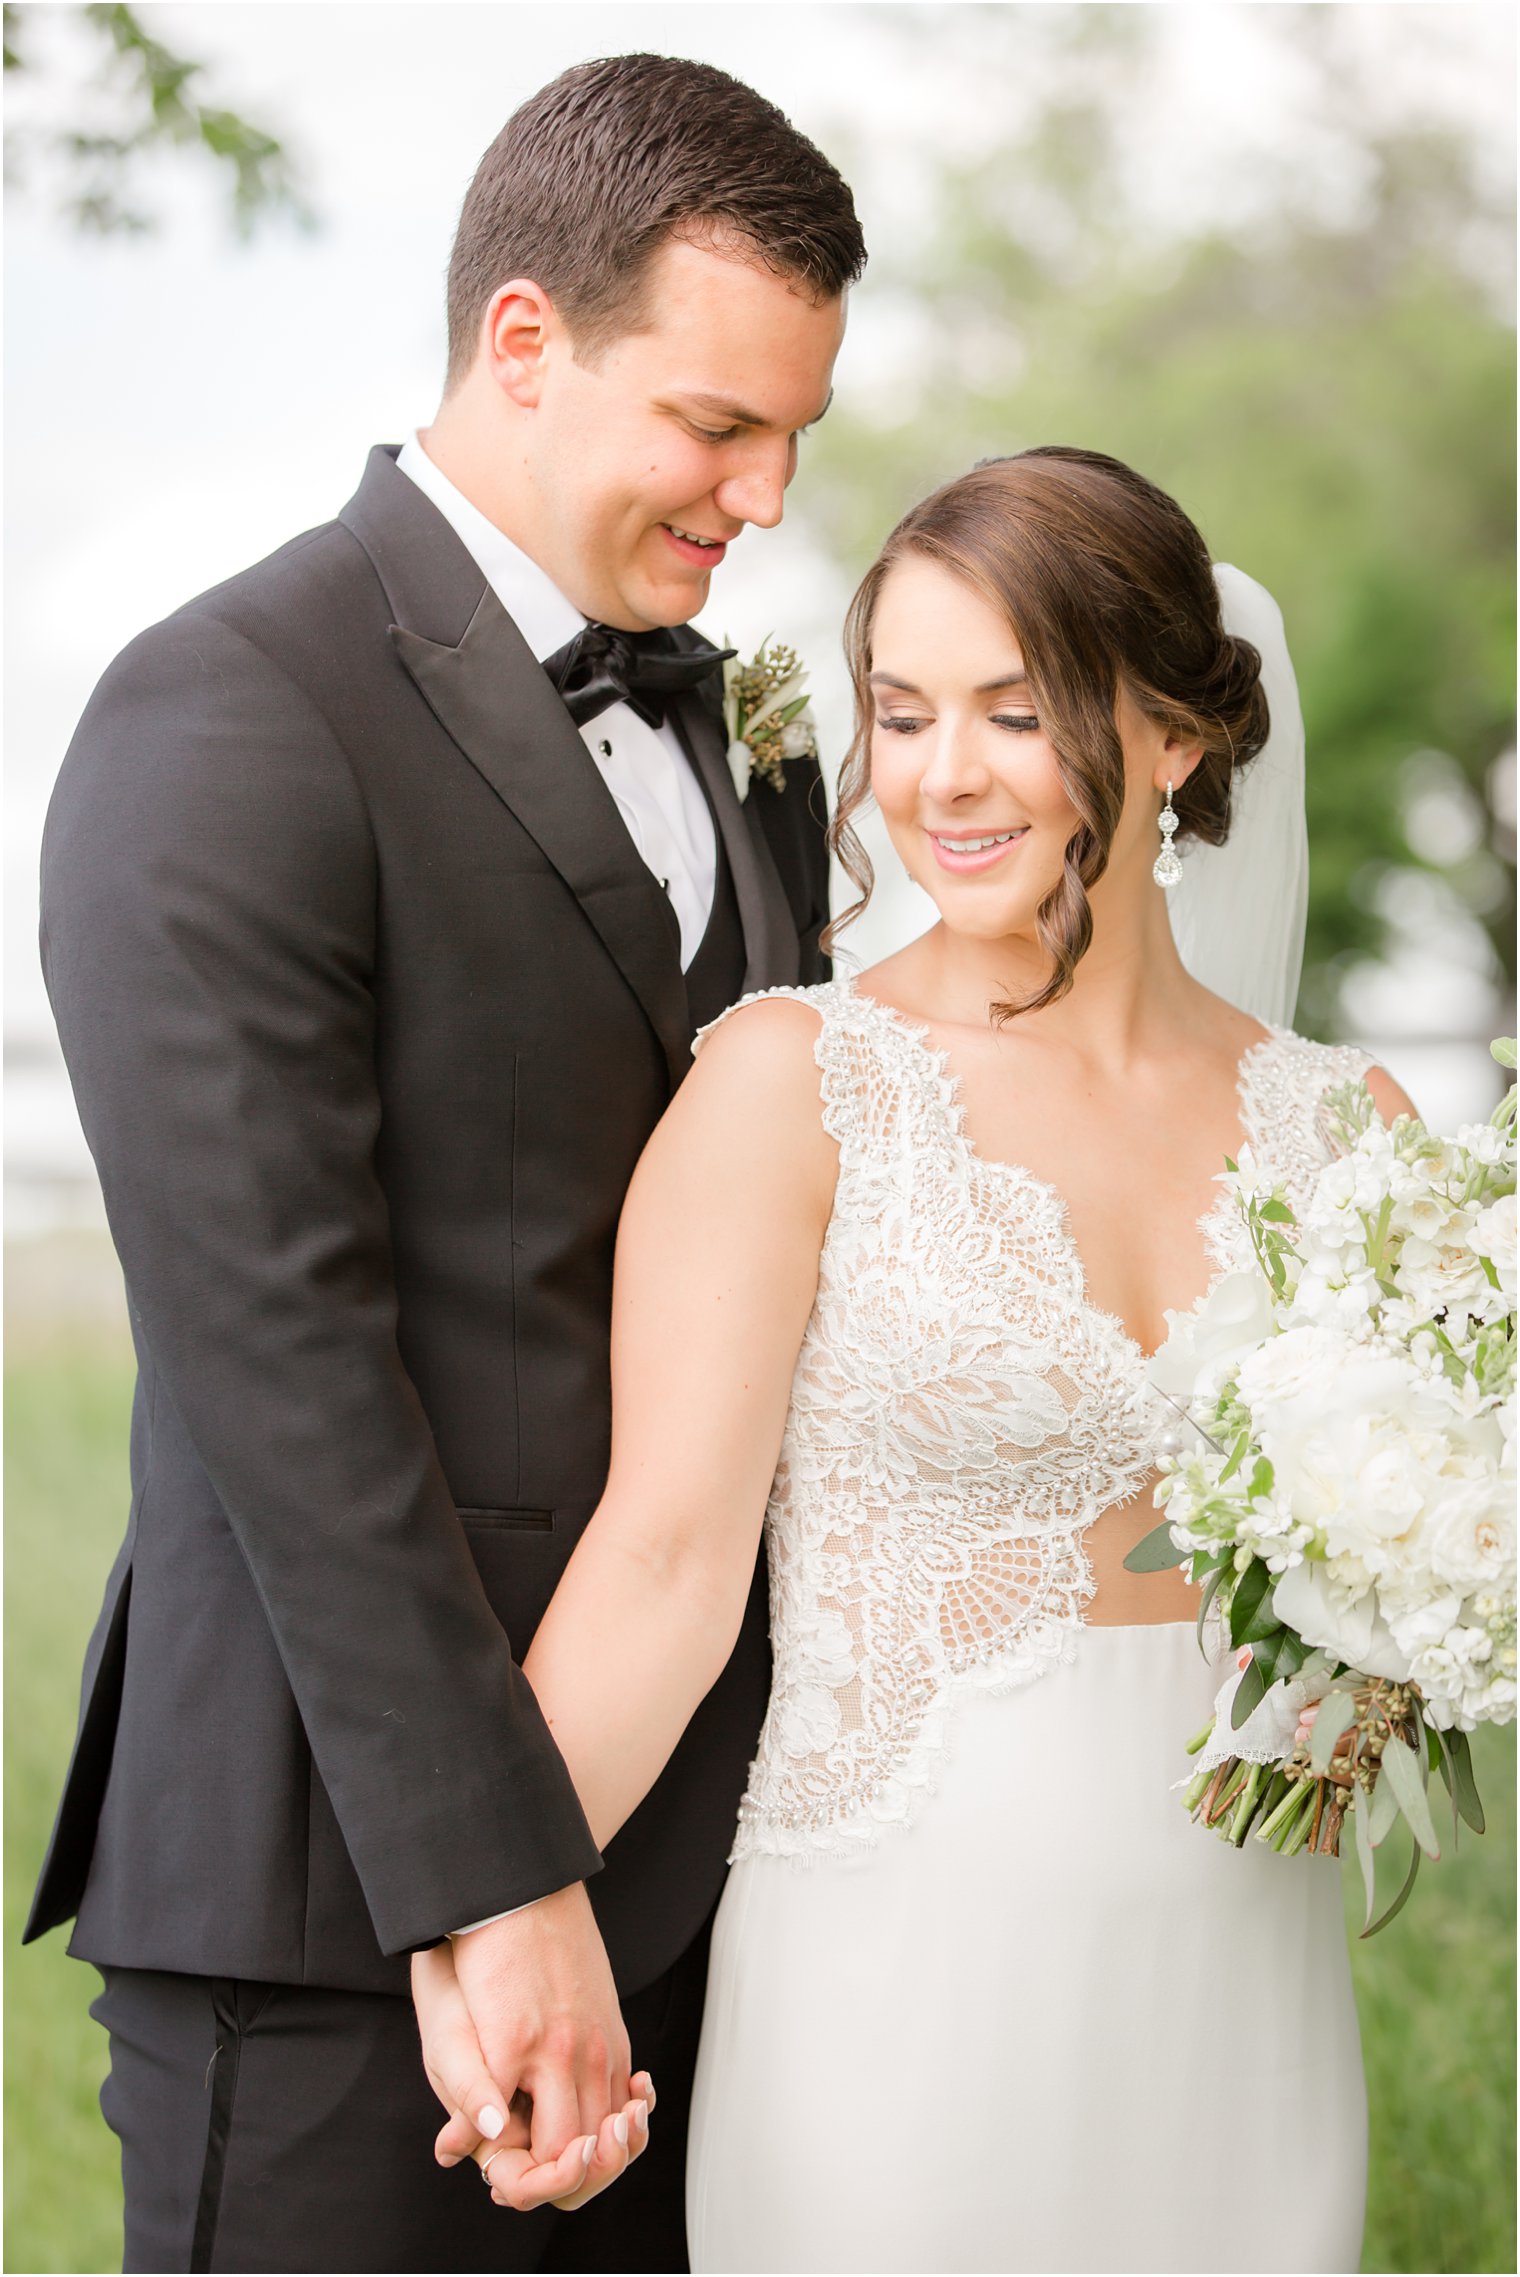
(486, 2164)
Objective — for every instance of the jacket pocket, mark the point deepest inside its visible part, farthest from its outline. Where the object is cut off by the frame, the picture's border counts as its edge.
(523, 1521)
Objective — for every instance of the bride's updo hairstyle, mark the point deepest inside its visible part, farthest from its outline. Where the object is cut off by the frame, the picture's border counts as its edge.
(1105, 584)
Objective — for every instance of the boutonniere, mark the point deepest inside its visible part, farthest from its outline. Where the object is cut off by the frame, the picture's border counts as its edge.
(768, 715)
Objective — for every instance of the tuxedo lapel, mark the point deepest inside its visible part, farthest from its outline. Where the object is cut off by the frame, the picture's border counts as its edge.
(770, 933)
(490, 694)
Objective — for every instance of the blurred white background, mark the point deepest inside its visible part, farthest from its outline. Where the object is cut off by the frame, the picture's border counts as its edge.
(179, 403)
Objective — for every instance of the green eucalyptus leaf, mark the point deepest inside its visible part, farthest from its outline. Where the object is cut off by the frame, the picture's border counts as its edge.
(1402, 1766)
(1337, 1712)
(1155, 1551)
(1451, 1795)
(1366, 1856)
(1399, 1903)
(1384, 1812)
(1503, 1051)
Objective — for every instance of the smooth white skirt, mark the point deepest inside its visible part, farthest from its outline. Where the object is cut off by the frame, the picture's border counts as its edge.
(1050, 2026)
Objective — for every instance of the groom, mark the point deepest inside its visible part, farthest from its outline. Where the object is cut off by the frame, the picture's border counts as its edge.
(383, 889)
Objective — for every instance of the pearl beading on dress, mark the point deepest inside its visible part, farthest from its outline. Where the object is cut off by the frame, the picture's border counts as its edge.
(960, 1414)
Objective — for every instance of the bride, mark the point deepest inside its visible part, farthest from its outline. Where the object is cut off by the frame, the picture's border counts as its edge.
(888, 1277)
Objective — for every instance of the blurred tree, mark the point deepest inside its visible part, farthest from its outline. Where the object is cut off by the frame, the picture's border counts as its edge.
(147, 101)
(1331, 398)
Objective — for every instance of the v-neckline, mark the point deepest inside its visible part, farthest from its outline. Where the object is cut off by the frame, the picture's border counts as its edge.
(953, 1093)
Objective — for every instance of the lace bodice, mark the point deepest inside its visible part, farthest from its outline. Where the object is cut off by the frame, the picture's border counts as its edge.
(960, 1414)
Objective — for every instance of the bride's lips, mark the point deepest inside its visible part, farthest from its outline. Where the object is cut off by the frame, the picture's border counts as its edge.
(703, 557)
(966, 864)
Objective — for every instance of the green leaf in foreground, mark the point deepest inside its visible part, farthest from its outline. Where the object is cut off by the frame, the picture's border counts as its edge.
(1457, 1770)
(1207, 1595)
(1401, 1766)
(1399, 1903)
(1251, 1616)
(1366, 1856)
(1248, 1695)
(1384, 1812)
(1155, 1551)
(1337, 1710)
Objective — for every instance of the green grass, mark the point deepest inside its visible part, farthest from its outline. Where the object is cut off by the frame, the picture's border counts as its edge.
(1436, 1990)
(65, 1507)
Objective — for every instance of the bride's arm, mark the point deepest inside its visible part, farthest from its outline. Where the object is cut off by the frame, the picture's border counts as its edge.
(717, 1266)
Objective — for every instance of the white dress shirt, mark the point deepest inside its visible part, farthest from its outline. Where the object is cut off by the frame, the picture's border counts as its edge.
(644, 767)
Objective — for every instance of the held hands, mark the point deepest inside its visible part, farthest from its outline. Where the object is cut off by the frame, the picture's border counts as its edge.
(523, 2043)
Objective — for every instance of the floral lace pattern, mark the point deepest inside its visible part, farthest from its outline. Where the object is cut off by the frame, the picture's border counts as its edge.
(960, 1414)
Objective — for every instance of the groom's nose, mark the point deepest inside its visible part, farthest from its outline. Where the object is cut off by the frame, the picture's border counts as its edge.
(755, 490)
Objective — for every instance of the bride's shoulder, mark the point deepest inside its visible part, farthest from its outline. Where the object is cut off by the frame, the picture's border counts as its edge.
(766, 1052)
(1326, 1064)
(774, 1019)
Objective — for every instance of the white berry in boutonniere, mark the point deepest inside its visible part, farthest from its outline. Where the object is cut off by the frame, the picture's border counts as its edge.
(768, 715)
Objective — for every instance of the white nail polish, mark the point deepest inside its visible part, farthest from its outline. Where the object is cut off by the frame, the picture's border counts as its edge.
(490, 2122)
(620, 2130)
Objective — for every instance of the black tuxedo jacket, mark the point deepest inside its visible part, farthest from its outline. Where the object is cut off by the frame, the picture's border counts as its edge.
(369, 1005)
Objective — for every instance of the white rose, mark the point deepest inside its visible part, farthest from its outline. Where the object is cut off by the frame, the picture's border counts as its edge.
(1287, 1364)
(1444, 1278)
(1468, 1538)
(1355, 1436)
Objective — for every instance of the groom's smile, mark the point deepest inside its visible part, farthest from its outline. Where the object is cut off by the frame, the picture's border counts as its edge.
(698, 413)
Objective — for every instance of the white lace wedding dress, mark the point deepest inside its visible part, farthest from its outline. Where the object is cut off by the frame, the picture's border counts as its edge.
(981, 1996)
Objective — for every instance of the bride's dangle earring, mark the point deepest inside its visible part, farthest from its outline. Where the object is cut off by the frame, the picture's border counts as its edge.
(1168, 866)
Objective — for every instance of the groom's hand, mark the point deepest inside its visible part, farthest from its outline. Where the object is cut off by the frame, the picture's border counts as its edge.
(540, 1994)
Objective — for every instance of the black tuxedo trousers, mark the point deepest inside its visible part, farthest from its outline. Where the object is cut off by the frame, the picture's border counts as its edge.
(370, 1006)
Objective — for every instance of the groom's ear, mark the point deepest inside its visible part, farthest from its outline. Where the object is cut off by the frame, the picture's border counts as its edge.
(519, 324)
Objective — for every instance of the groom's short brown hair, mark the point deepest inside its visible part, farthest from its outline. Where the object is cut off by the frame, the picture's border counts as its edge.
(600, 168)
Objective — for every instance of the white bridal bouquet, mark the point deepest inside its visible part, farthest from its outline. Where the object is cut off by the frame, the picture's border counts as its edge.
(1350, 1504)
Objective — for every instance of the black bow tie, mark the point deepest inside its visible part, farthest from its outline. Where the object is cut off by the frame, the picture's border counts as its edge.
(603, 666)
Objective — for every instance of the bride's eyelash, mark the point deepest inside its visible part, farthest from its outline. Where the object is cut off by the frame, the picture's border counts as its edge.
(1021, 723)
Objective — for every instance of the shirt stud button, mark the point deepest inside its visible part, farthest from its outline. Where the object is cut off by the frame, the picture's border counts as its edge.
(605, 748)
